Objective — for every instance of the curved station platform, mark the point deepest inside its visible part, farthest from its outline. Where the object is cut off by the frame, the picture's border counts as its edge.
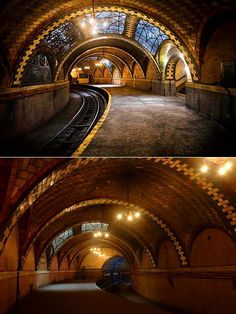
(177, 78)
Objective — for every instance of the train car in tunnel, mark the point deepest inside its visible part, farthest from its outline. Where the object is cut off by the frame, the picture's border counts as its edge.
(183, 51)
(166, 224)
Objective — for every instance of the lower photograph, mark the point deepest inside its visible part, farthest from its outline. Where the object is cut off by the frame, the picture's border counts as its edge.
(120, 235)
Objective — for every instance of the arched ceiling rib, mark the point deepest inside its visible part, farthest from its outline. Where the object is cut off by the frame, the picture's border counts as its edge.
(119, 57)
(84, 247)
(141, 234)
(122, 47)
(170, 32)
(171, 192)
(38, 13)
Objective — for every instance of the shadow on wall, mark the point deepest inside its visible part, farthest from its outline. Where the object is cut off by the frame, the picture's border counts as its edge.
(218, 68)
(206, 286)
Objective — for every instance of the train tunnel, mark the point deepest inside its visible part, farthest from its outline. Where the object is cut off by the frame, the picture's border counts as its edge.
(117, 157)
(164, 226)
(169, 69)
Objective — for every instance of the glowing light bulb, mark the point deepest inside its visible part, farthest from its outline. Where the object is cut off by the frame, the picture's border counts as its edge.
(94, 31)
(137, 215)
(119, 216)
(92, 21)
(106, 235)
(228, 165)
(204, 169)
(222, 171)
(130, 217)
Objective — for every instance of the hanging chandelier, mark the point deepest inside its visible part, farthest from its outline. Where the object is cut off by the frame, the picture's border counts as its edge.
(219, 164)
(97, 251)
(101, 234)
(102, 230)
(91, 22)
(128, 213)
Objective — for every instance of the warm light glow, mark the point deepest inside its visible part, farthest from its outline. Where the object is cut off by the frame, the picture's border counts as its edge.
(95, 250)
(98, 64)
(204, 169)
(119, 216)
(94, 31)
(86, 68)
(83, 24)
(74, 73)
(222, 171)
(101, 234)
(130, 217)
(228, 165)
(225, 168)
(92, 21)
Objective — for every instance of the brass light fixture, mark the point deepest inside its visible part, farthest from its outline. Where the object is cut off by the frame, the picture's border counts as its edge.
(223, 165)
(102, 233)
(128, 214)
(92, 21)
(97, 251)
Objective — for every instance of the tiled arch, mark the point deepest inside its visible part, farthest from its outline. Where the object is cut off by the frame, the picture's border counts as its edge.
(31, 48)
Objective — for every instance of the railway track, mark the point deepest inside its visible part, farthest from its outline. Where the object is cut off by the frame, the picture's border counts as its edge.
(112, 286)
(68, 139)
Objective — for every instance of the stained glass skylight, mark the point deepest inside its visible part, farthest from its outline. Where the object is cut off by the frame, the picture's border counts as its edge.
(149, 36)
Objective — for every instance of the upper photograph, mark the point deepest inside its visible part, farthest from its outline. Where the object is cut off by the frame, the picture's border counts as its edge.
(117, 78)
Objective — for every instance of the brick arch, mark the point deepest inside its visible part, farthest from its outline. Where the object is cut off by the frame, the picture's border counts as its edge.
(138, 72)
(114, 37)
(88, 255)
(212, 246)
(208, 24)
(162, 224)
(106, 245)
(82, 235)
(217, 44)
(107, 73)
(29, 50)
(108, 52)
(170, 68)
(221, 204)
(58, 224)
(167, 256)
(87, 245)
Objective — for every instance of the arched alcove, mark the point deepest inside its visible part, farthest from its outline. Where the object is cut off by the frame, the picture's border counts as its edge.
(213, 247)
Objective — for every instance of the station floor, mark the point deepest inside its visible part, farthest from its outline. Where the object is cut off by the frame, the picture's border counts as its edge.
(81, 297)
(143, 124)
(139, 124)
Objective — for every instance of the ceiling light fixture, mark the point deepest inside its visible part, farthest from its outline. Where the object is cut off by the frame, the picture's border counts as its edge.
(225, 168)
(99, 64)
(92, 21)
(204, 169)
(223, 165)
(101, 234)
(128, 214)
